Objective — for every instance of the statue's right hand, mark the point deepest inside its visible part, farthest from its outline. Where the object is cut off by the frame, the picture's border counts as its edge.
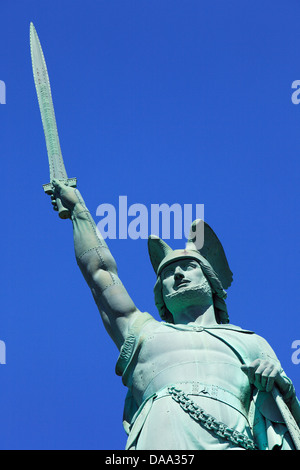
(67, 195)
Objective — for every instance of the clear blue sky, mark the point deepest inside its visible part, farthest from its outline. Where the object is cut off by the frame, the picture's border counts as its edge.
(164, 102)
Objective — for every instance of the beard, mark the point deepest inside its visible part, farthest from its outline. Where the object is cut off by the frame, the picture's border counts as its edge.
(200, 295)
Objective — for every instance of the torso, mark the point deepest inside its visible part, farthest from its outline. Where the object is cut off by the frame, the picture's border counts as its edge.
(171, 354)
(185, 355)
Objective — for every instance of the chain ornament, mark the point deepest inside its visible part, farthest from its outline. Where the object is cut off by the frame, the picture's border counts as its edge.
(209, 422)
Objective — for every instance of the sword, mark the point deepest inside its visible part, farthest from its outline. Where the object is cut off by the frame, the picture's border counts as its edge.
(43, 90)
(288, 417)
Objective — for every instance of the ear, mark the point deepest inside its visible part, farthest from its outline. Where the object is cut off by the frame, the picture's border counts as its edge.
(211, 250)
(158, 250)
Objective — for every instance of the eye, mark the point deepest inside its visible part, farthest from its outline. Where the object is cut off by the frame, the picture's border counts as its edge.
(191, 265)
(167, 273)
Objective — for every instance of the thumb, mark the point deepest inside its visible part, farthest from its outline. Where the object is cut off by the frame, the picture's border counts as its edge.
(57, 185)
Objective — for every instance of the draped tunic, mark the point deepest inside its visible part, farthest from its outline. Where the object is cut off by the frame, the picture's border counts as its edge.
(203, 362)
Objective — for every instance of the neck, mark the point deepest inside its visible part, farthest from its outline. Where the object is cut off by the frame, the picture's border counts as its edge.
(202, 316)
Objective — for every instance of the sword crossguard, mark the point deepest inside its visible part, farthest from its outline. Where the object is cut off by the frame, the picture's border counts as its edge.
(63, 212)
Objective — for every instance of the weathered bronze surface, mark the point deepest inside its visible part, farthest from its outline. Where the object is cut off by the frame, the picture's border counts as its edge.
(43, 90)
(201, 381)
(194, 380)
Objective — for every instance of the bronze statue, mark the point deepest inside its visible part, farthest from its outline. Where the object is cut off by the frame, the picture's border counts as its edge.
(194, 380)
(204, 383)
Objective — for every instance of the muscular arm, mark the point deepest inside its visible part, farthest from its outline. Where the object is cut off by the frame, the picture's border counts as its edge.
(98, 267)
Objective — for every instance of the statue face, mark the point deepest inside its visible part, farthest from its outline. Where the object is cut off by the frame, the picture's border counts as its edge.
(184, 286)
(179, 274)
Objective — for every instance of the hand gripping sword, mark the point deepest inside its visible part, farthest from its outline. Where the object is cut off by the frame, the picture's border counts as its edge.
(43, 90)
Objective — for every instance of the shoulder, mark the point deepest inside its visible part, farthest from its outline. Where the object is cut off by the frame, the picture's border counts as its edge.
(231, 327)
(260, 348)
(255, 345)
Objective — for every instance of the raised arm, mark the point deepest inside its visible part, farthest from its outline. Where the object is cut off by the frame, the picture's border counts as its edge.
(98, 266)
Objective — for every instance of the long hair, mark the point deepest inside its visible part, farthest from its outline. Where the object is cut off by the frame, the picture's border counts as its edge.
(218, 293)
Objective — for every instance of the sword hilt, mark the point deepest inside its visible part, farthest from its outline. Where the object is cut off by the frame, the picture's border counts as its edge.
(63, 212)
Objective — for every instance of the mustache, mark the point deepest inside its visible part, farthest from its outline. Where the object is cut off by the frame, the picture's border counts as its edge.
(190, 291)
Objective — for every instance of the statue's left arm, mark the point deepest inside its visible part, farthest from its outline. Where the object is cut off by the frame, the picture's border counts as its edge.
(265, 371)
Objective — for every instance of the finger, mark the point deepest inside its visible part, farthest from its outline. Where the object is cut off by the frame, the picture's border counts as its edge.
(55, 182)
(57, 185)
(265, 377)
(270, 384)
(268, 374)
(54, 205)
(271, 379)
(261, 375)
(251, 371)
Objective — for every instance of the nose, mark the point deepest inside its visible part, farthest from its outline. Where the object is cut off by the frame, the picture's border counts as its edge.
(178, 273)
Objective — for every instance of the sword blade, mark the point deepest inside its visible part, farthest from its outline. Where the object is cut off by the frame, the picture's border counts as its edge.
(43, 90)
